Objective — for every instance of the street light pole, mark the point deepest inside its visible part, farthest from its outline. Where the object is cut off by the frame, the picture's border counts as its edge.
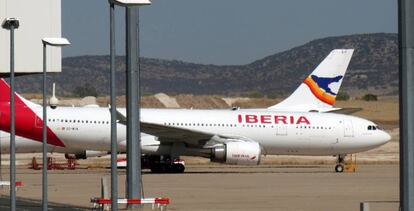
(12, 24)
(59, 42)
(44, 132)
(114, 141)
(12, 126)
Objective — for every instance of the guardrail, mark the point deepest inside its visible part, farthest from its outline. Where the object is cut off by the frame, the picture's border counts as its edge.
(160, 203)
(7, 183)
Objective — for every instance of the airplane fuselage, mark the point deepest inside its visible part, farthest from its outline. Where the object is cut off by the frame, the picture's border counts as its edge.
(281, 133)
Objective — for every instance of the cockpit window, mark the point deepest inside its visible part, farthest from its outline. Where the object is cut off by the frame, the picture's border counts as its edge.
(373, 127)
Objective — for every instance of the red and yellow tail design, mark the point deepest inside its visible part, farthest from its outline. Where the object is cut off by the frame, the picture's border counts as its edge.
(318, 92)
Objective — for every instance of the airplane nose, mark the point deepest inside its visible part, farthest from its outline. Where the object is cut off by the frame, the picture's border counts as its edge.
(384, 137)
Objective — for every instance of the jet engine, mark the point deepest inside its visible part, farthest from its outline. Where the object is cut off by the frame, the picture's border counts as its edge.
(85, 154)
(238, 153)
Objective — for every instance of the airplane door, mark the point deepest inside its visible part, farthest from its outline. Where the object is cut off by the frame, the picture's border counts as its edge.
(281, 130)
(348, 128)
(38, 122)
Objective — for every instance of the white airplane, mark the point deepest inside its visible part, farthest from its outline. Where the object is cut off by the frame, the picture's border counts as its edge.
(299, 125)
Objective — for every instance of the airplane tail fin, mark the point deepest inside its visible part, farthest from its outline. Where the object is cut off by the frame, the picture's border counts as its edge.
(19, 100)
(318, 91)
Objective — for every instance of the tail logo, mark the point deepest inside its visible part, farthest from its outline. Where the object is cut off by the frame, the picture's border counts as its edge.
(319, 87)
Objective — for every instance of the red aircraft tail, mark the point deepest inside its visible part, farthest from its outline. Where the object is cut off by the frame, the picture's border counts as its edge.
(28, 124)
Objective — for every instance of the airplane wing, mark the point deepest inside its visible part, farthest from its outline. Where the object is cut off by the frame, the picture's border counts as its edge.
(166, 133)
(192, 137)
(169, 133)
(172, 134)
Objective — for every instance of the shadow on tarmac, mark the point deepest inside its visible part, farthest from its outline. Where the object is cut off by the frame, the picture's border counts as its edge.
(314, 169)
(29, 205)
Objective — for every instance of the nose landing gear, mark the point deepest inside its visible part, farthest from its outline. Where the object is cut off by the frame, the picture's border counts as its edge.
(347, 165)
(340, 164)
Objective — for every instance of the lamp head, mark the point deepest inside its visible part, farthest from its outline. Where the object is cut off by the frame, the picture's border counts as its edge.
(127, 3)
(10, 22)
(55, 41)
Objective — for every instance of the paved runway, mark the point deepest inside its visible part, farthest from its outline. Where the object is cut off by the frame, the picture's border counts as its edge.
(34, 205)
(219, 187)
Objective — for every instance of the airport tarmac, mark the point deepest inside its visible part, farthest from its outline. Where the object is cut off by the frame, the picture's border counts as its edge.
(221, 187)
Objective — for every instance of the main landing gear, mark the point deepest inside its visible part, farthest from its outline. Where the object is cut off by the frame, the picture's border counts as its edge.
(340, 164)
(163, 164)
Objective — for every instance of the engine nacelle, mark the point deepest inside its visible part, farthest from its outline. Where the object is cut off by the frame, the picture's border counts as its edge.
(85, 154)
(238, 153)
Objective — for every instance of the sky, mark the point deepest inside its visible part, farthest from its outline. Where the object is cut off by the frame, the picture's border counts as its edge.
(223, 31)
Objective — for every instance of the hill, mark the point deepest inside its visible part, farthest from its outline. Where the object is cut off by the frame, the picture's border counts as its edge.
(373, 68)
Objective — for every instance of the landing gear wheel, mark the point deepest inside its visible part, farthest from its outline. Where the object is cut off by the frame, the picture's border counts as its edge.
(166, 168)
(178, 168)
(339, 168)
(157, 168)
